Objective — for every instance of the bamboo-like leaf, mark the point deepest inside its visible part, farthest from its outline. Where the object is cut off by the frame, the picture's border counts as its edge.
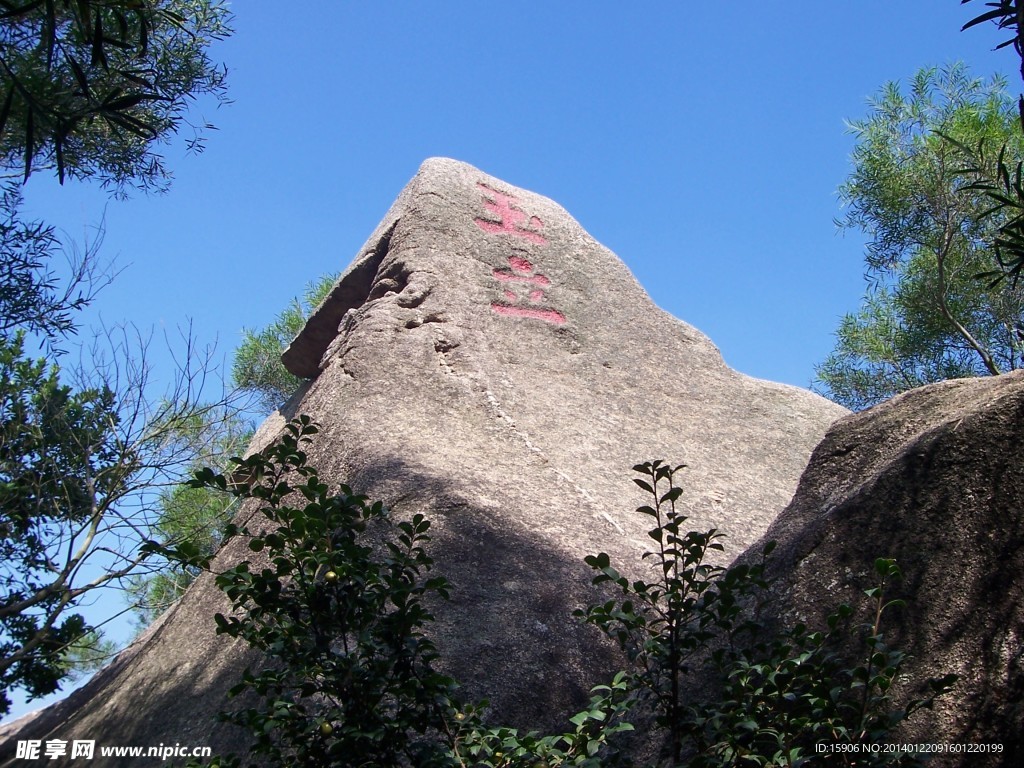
(5, 110)
(99, 55)
(29, 140)
(58, 148)
(21, 10)
(50, 32)
(131, 76)
(122, 24)
(84, 16)
(79, 73)
(132, 124)
(143, 33)
(127, 102)
(997, 13)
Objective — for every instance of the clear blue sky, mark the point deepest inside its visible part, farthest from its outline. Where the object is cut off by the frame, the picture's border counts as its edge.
(702, 145)
(702, 142)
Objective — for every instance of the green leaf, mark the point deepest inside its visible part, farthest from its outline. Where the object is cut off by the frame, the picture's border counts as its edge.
(643, 484)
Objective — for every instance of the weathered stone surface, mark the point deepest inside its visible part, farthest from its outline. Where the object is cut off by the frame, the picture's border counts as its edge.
(486, 362)
(933, 478)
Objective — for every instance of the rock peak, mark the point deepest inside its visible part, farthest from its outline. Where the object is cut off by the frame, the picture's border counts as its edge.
(501, 257)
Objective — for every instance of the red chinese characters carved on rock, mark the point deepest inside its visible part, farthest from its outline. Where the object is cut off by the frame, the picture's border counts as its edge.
(511, 217)
(521, 275)
(522, 287)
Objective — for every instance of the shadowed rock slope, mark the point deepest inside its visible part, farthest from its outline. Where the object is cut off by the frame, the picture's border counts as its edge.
(933, 478)
(486, 362)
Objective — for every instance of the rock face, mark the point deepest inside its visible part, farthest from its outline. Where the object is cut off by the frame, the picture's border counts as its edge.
(486, 362)
(933, 478)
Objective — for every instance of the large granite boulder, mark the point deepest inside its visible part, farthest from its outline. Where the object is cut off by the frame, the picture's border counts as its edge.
(486, 362)
(933, 478)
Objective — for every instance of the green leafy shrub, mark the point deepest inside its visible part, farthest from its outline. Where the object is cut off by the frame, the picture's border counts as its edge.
(337, 605)
(776, 696)
(587, 745)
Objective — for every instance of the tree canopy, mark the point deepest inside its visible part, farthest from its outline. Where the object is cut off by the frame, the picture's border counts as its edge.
(90, 87)
(257, 366)
(926, 316)
(194, 517)
(58, 457)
